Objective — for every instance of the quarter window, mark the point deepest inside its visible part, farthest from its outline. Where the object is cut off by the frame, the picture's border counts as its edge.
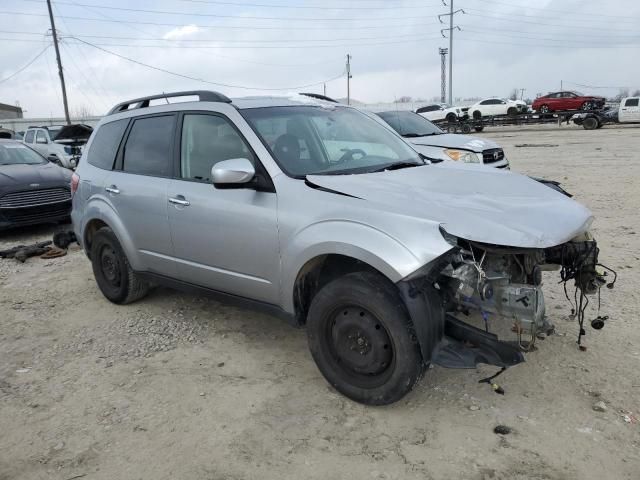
(148, 149)
(207, 140)
(105, 144)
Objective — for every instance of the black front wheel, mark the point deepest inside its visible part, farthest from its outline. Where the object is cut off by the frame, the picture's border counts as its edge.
(362, 339)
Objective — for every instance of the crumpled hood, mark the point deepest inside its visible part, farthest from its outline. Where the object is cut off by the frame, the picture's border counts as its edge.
(12, 176)
(483, 205)
(451, 140)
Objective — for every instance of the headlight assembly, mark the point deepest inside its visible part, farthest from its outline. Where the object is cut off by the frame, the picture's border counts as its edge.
(464, 156)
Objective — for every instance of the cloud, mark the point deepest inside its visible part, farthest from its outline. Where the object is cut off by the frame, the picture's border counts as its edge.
(180, 32)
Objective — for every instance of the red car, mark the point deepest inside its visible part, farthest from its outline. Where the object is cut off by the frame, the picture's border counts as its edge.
(554, 102)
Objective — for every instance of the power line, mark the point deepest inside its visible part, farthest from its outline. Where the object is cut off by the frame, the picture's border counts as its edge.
(308, 7)
(573, 13)
(253, 47)
(27, 65)
(546, 39)
(511, 19)
(241, 17)
(219, 84)
(230, 27)
(593, 86)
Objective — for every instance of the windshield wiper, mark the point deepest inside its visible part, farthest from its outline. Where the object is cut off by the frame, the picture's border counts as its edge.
(416, 135)
(396, 166)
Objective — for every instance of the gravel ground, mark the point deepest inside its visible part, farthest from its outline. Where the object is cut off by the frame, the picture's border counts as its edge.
(180, 386)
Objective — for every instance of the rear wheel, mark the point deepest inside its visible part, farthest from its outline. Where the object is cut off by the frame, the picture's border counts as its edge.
(115, 277)
(512, 111)
(590, 123)
(545, 109)
(466, 128)
(362, 339)
(587, 106)
(451, 118)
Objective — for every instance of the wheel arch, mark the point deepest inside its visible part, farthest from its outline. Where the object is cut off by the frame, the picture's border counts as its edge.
(100, 214)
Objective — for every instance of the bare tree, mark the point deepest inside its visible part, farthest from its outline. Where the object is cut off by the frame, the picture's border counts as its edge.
(624, 92)
(82, 112)
(514, 94)
(636, 93)
(404, 99)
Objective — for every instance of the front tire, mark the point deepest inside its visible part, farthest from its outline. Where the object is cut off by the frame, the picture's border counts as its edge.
(362, 339)
(115, 277)
(544, 109)
(590, 123)
(586, 106)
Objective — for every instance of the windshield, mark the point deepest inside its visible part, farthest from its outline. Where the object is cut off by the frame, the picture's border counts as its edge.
(53, 131)
(16, 153)
(409, 124)
(312, 140)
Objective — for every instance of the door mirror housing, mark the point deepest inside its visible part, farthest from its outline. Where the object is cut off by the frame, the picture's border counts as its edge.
(234, 173)
(52, 158)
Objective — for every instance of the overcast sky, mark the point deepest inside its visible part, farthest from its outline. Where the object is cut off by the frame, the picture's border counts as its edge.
(290, 44)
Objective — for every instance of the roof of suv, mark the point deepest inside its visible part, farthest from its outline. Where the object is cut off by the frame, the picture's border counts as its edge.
(141, 106)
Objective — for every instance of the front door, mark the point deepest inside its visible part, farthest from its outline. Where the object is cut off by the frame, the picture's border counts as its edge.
(224, 239)
(630, 110)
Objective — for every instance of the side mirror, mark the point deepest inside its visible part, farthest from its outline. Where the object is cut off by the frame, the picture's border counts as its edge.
(235, 172)
(52, 159)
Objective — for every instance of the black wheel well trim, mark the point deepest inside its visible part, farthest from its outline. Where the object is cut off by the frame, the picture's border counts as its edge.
(90, 230)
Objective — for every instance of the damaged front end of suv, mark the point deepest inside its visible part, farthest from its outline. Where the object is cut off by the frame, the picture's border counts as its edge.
(486, 293)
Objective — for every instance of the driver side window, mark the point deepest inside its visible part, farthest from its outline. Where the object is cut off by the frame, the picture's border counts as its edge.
(207, 140)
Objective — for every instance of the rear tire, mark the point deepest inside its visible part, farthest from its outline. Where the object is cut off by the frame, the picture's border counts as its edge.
(512, 111)
(362, 339)
(466, 128)
(587, 106)
(451, 118)
(115, 278)
(590, 123)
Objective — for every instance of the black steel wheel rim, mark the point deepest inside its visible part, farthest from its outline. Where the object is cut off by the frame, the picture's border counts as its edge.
(360, 345)
(110, 266)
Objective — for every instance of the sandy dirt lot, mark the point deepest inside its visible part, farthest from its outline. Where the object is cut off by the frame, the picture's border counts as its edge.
(181, 387)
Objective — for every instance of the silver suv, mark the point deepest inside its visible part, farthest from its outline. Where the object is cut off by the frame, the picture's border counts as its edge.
(319, 214)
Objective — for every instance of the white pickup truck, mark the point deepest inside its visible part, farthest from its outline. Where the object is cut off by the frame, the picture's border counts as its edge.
(627, 112)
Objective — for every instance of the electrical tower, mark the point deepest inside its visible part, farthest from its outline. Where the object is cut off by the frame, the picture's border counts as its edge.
(451, 28)
(443, 74)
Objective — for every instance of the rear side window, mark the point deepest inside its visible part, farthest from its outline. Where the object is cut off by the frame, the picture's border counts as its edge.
(632, 102)
(105, 144)
(41, 137)
(28, 138)
(148, 150)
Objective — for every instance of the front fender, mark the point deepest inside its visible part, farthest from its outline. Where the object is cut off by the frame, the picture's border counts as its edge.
(99, 208)
(362, 242)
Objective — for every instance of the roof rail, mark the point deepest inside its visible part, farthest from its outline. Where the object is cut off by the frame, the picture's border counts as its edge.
(320, 97)
(143, 102)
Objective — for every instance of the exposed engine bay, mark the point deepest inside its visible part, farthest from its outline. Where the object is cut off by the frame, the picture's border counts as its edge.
(504, 285)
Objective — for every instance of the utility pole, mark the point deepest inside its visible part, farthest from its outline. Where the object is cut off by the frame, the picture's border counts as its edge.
(55, 45)
(443, 74)
(348, 79)
(522, 90)
(324, 89)
(451, 28)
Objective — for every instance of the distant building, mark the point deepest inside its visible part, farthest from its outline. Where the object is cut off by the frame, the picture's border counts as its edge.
(10, 111)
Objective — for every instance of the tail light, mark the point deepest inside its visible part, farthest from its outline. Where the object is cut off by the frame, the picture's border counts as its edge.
(75, 182)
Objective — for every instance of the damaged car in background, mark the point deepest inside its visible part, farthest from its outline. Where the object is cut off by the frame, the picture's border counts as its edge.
(322, 215)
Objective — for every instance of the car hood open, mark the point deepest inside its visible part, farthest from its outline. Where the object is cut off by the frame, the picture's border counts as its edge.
(452, 140)
(76, 134)
(470, 202)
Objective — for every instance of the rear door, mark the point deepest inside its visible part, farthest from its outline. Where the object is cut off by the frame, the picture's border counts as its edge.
(224, 239)
(630, 110)
(137, 188)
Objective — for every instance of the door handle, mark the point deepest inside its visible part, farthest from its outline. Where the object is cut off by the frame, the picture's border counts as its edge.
(179, 200)
(113, 189)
